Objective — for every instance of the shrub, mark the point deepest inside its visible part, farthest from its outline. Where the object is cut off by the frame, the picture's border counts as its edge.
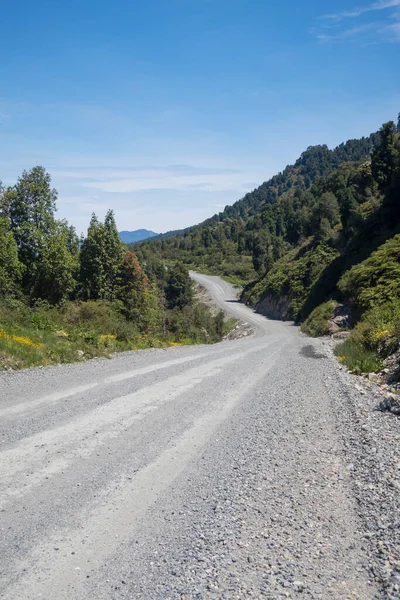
(357, 358)
(317, 324)
(379, 329)
(375, 280)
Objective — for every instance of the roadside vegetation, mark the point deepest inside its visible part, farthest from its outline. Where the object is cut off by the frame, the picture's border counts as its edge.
(317, 324)
(64, 299)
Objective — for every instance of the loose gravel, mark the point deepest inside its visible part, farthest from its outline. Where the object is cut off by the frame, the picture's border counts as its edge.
(257, 468)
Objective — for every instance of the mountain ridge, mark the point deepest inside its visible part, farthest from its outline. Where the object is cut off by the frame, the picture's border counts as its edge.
(129, 237)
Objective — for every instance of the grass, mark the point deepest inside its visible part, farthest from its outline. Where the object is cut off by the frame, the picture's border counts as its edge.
(357, 358)
(374, 338)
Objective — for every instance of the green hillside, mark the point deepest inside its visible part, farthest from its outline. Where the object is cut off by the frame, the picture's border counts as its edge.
(323, 229)
(246, 238)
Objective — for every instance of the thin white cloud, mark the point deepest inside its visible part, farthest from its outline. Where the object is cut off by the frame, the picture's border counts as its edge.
(394, 31)
(172, 177)
(156, 181)
(347, 34)
(332, 27)
(357, 12)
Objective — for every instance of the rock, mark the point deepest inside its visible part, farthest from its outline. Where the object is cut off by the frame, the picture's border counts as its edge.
(274, 307)
(390, 403)
(332, 327)
(341, 316)
(80, 353)
(341, 335)
(299, 586)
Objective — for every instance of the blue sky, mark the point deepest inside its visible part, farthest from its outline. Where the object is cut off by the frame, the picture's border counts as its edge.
(167, 110)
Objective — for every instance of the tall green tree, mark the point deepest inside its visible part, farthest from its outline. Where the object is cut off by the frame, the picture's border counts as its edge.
(385, 156)
(11, 269)
(178, 290)
(56, 269)
(46, 248)
(100, 259)
(113, 253)
(91, 272)
(30, 206)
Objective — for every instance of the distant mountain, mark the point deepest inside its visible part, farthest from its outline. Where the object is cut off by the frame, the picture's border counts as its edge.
(128, 237)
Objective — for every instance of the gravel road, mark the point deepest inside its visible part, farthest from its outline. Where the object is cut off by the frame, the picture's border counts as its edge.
(226, 471)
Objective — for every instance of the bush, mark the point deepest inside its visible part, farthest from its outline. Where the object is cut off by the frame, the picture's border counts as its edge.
(373, 339)
(44, 334)
(375, 280)
(317, 324)
(357, 358)
(379, 328)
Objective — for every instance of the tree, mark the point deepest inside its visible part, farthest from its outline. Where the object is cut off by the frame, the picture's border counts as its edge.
(113, 253)
(328, 208)
(384, 157)
(132, 283)
(178, 291)
(91, 274)
(324, 230)
(140, 298)
(100, 259)
(30, 207)
(46, 248)
(57, 265)
(10, 268)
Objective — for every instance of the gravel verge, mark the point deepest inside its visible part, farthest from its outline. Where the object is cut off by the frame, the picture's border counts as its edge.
(371, 441)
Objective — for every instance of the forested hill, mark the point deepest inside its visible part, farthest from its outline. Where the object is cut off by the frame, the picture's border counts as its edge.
(325, 229)
(315, 162)
(228, 250)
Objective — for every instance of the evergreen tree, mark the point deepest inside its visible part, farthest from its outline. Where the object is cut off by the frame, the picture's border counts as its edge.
(100, 259)
(113, 253)
(384, 157)
(57, 265)
(179, 290)
(139, 297)
(132, 283)
(91, 275)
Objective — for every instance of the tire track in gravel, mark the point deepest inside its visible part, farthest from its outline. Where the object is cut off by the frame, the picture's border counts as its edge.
(40, 454)
(197, 473)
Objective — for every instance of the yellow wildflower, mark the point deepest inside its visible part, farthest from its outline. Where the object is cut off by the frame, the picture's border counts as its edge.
(20, 340)
(379, 334)
(107, 337)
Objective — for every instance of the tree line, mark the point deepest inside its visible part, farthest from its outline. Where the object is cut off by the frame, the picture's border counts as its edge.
(42, 260)
(323, 191)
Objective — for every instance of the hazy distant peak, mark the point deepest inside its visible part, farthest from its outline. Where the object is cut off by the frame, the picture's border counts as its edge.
(128, 237)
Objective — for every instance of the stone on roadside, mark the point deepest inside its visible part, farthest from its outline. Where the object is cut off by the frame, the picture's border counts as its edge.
(390, 403)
